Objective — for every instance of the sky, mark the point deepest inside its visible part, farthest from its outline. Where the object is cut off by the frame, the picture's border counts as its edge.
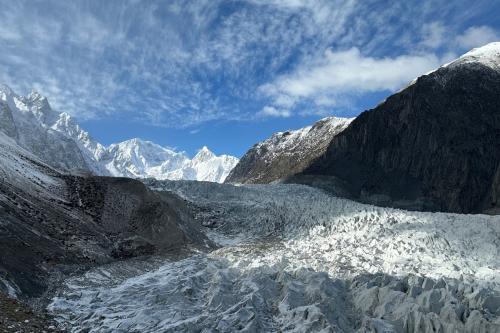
(227, 74)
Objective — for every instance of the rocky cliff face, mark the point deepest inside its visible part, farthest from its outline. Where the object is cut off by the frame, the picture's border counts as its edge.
(51, 223)
(432, 146)
(286, 153)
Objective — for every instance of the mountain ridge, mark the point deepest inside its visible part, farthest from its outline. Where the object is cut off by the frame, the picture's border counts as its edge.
(286, 153)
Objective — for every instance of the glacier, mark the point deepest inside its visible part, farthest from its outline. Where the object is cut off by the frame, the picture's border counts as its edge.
(292, 258)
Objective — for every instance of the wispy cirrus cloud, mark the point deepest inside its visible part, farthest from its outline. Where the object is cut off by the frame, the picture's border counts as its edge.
(186, 63)
(434, 35)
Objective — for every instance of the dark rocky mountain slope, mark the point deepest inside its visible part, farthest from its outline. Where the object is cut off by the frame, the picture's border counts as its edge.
(432, 146)
(51, 223)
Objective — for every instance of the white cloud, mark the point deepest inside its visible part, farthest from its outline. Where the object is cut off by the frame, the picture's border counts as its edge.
(194, 131)
(271, 111)
(477, 36)
(348, 72)
(322, 11)
(433, 35)
(328, 101)
(8, 34)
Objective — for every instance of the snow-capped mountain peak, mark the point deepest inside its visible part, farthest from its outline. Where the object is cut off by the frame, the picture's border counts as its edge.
(57, 139)
(40, 106)
(145, 159)
(35, 96)
(142, 159)
(204, 154)
(5, 92)
(488, 55)
(92, 150)
(206, 165)
(8, 96)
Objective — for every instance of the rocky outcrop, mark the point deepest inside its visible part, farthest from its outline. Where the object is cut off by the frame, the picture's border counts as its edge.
(286, 153)
(431, 146)
(18, 317)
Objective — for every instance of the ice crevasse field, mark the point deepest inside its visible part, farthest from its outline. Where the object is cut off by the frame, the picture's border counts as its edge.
(291, 258)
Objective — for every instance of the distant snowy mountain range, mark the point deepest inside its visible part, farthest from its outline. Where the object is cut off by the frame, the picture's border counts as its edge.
(57, 139)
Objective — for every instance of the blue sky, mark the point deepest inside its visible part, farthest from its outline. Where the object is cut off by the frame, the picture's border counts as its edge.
(227, 74)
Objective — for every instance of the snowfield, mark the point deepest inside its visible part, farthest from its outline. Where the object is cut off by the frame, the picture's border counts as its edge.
(295, 259)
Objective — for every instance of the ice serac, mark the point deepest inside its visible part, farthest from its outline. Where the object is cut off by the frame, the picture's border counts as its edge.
(58, 140)
(431, 146)
(286, 153)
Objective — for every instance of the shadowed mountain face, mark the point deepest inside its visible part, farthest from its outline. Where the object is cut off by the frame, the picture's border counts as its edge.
(432, 146)
(52, 223)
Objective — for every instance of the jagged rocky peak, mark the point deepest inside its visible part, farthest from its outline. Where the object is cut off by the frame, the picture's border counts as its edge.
(286, 153)
(66, 123)
(35, 97)
(33, 103)
(5, 91)
(29, 120)
(8, 97)
(40, 107)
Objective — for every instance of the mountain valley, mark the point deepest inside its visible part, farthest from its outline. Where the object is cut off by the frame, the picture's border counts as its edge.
(387, 222)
